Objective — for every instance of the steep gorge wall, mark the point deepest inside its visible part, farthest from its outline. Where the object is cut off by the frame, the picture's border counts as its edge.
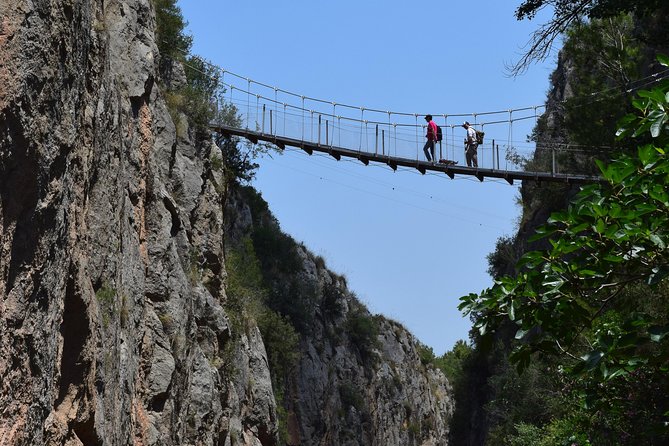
(360, 379)
(113, 327)
(107, 335)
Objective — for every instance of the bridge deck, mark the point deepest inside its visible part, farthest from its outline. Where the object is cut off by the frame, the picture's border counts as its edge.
(394, 162)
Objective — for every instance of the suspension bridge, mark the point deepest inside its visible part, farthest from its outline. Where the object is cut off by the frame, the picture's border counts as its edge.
(394, 161)
(287, 119)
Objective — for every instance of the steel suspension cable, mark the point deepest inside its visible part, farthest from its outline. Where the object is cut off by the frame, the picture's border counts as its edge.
(655, 77)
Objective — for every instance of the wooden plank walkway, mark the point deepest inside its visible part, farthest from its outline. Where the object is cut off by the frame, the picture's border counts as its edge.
(394, 162)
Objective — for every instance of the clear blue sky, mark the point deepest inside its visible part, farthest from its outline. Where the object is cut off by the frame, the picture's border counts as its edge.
(410, 245)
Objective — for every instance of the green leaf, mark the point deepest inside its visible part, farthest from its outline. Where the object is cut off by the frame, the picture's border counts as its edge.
(620, 171)
(657, 332)
(657, 241)
(592, 359)
(663, 60)
(627, 119)
(543, 232)
(590, 401)
(636, 362)
(659, 193)
(512, 311)
(604, 369)
(617, 372)
(602, 165)
(640, 104)
(656, 127)
(655, 94)
(579, 228)
(647, 154)
(530, 260)
(521, 357)
(643, 128)
(520, 334)
(557, 217)
(555, 283)
(589, 273)
(613, 258)
(659, 273)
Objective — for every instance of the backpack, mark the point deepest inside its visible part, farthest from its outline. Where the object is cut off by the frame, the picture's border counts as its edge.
(479, 136)
(439, 135)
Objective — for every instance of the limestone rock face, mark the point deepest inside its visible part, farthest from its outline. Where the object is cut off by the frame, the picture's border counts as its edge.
(109, 221)
(361, 379)
(348, 390)
(114, 328)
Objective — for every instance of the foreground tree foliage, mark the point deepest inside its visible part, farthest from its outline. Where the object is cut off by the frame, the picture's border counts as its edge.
(593, 308)
(568, 12)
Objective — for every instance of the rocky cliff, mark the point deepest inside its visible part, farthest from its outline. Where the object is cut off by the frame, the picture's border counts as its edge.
(115, 324)
(360, 379)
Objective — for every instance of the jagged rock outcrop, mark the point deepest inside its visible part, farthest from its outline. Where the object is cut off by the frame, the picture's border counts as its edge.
(113, 320)
(361, 379)
(387, 398)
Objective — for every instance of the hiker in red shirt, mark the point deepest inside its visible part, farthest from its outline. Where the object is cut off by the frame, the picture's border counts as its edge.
(431, 138)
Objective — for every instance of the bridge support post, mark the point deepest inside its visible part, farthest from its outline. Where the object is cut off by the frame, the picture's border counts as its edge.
(319, 130)
(493, 154)
(383, 142)
(263, 118)
(376, 144)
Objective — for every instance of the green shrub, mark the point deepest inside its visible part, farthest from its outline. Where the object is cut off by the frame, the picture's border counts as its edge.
(106, 297)
(351, 396)
(332, 304)
(282, 344)
(363, 331)
(414, 430)
(244, 286)
(171, 39)
(557, 433)
(296, 300)
(243, 268)
(426, 355)
(200, 93)
(247, 295)
(526, 435)
(452, 362)
(277, 251)
(503, 259)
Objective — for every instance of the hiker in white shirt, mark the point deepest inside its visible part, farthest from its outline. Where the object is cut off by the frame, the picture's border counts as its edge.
(471, 146)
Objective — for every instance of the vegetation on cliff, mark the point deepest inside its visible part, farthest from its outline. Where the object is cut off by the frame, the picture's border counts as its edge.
(570, 345)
